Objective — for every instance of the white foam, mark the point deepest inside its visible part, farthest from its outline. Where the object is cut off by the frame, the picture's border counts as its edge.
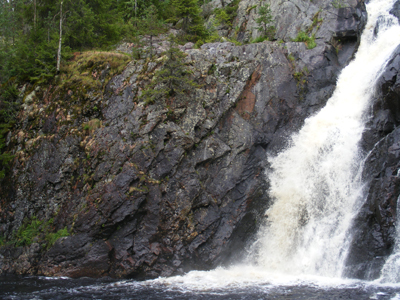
(316, 181)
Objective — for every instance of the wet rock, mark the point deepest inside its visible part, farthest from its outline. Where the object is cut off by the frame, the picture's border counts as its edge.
(374, 226)
(350, 23)
(395, 11)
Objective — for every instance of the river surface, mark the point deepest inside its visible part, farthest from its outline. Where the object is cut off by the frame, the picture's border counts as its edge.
(197, 285)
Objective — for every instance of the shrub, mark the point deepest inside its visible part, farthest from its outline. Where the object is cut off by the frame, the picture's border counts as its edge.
(39, 230)
(309, 41)
(92, 125)
(51, 238)
(263, 21)
(227, 14)
(28, 232)
(259, 39)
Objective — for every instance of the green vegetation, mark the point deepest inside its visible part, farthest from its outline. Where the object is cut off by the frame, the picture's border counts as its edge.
(316, 22)
(250, 9)
(38, 231)
(151, 25)
(259, 39)
(225, 15)
(9, 107)
(85, 69)
(28, 232)
(186, 13)
(338, 3)
(263, 21)
(32, 33)
(301, 78)
(172, 80)
(309, 41)
(92, 125)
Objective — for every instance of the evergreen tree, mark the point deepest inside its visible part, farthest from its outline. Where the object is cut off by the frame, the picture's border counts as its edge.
(188, 12)
(30, 33)
(263, 21)
(172, 80)
(91, 24)
(8, 111)
(150, 25)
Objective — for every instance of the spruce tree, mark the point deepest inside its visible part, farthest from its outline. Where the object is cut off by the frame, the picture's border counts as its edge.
(189, 12)
(263, 21)
(172, 80)
(151, 26)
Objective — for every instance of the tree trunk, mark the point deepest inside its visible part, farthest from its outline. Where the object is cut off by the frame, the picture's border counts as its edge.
(135, 13)
(151, 46)
(34, 15)
(59, 42)
(13, 22)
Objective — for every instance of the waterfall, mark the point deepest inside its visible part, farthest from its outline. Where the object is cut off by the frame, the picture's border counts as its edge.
(315, 181)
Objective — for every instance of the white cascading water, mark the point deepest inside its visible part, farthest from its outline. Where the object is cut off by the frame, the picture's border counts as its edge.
(315, 183)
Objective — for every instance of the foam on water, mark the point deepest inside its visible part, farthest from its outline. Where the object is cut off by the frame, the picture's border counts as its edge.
(315, 182)
(247, 276)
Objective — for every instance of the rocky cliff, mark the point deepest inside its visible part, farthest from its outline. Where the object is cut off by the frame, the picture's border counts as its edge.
(375, 224)
(148, 190)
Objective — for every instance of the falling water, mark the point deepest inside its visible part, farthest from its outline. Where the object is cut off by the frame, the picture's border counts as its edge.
(315, 182)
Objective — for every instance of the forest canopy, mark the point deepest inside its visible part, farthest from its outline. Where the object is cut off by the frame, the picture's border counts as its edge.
(32, 32)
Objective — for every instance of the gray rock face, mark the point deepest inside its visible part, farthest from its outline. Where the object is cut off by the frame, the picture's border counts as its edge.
(326, 19)
(395, 11)
(375, 225)
(157, 190)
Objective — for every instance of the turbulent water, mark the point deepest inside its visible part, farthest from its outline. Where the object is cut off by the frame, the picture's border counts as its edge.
(233, 284)
(315, 182)
(316, 187)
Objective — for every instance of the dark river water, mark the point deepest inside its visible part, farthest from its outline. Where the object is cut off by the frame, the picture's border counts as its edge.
(197, 287)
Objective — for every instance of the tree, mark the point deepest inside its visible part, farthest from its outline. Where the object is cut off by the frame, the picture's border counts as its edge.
(264, 19)
(189, 12)
(9, 107)
(89, 24)
(6, 37)
(151, 26)
(60, 40)
(172, 80)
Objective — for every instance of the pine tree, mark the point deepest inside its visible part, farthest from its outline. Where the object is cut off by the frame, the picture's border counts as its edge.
(172, 80)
